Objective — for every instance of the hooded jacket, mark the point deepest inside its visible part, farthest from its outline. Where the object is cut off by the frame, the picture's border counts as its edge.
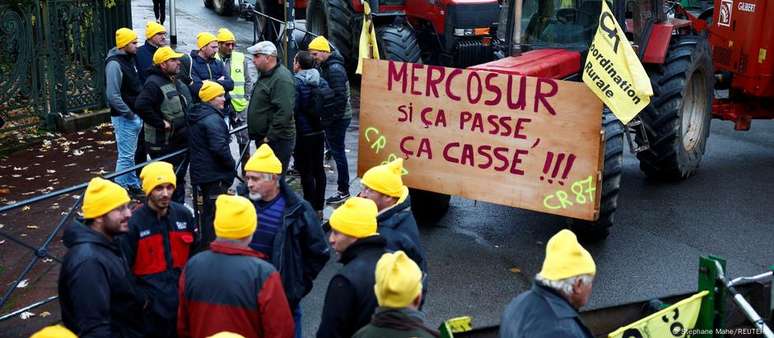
(350, 300)
(270, 111)
(212, 70)
(208, 146)
(541, 312)
(334, 71)
(97, 293)
(300, 249)
(307, 120)
(123, 83)
(144, 59)
(399, 228)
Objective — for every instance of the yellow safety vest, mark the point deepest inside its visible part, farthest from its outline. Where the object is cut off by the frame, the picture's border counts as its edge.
(238, 75)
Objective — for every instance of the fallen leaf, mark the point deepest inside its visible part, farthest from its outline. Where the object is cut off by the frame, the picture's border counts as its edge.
(32, 226)
(77, 152)
(26, 315)
(2, 242)
(40, 156)
(50, 171)
(23, 284)
(15, 175)
(23, 235)
(47, 260)
(4, 190)
(515, 270)
(45, 314)
(69, 165)
(2, 226)
(26, 207)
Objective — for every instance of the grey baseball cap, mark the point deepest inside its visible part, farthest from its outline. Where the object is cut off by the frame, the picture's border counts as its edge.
(263, 47)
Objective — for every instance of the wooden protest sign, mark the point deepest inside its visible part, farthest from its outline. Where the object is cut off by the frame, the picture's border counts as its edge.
(520, 141)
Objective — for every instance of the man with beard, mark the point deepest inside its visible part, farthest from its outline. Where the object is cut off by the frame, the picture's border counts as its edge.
(162, 104)
(97, 293)
(161, 236)
(155, 38)
(205, 66)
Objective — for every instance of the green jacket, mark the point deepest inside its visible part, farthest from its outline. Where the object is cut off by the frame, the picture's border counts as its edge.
(396, 323)
(270, 112)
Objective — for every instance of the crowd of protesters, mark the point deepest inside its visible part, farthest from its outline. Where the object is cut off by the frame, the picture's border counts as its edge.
(241, 267)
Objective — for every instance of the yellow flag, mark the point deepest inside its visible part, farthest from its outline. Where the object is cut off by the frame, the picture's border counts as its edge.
(673, 321)
(613, 71)
(368, 48)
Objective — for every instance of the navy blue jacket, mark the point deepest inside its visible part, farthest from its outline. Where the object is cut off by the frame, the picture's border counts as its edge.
(333, 71)
(541, 312)
(300, 250)
(208, 146)
(202, 69)
(97, 293)
(307, 119)
(398, 226)
(144, 59)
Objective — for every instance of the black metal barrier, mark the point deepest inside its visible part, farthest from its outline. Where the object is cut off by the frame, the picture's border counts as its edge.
(42, 251)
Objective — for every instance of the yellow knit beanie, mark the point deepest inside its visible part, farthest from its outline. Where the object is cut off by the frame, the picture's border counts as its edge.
(320, 43)
(210, 90)
(264, 161)
(566, 258)
(225, 35)
(356, 218)
(54, 331)
(398, 280)
(124, 36)
(235, 217)
(157, 173)
(386, 179)
(204, 38)
(101, 197)
(226, 334)
(152, 28)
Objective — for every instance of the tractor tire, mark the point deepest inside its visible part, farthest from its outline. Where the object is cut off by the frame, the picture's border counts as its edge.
(677, 121)
(398, 42)
(208, 4)
(428, 207)
(611, 183)
(332, 19)
(223, 7)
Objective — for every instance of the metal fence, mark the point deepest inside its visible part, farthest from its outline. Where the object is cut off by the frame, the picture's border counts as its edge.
(52, 61)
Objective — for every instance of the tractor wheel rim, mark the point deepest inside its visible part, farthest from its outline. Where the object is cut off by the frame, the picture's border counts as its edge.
(693, 111)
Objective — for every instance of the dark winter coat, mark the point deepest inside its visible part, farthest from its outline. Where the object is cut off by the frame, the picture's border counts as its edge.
(307, 119)
(399, 228)
(156, 249)
(122, 83)
(350, 300)
(396, 323)
(334, 71)
(212, 70)
(230, 288)
(144, 59)
(149, 106)
(97, 293)
(300, 249)
(208, 146)
(270, 111)
(541, 312)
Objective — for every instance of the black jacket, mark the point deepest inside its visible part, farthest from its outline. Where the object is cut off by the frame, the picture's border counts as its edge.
(212, 70)
(97, 293)
(334, 71)
(149, 101)
(398, 226)
(156, 249)
(300, 249)
(144, 59)
(541, 312)
(208, 146)
(350, 300)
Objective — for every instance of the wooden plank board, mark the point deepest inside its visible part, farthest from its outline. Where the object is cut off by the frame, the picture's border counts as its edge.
(520, 141)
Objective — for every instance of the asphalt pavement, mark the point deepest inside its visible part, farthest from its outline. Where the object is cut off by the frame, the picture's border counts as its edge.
(481, 255)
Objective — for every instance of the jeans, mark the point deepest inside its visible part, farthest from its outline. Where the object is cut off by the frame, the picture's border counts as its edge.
(283, 149)
(127, 131)
(210, 192)
(297, 320)
(334, 137)
(309, 163)
(180, 162)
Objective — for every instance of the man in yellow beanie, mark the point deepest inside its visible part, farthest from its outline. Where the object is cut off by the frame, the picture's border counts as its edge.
(399, 293)
(155, 38)
(161, 238)
(230, 287)
(332, 69)
(290, 233)
(123, 86)
(212, 166)
(163, 104)
(54, 331)
(383, 184)
(350, 300)
(563, 286)
(97, 294)
(244, 75)
(205, 66)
